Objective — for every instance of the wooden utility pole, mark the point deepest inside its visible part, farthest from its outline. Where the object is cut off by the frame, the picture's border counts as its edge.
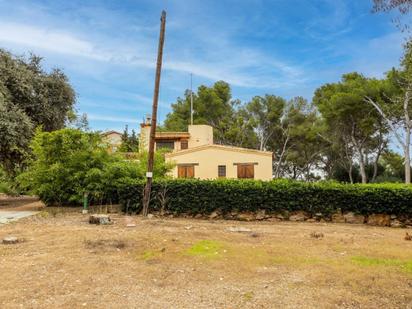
(149, 174)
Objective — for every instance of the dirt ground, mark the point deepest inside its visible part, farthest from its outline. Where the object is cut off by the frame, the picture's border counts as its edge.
(64, 262)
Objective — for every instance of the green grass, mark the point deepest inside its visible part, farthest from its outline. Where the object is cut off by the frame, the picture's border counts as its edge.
(206, 248)
(374, 262)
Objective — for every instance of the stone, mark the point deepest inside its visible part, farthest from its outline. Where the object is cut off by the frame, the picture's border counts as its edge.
(198, 216)
(337, 217)
(280, 217)
(239, 229)
(10, 240)
(150, 216)
(214, 215)
(396, 223)
(131, 225)
(100, 219)
(379, 220)
(261, 214)
(311, 220)
(353, 218)
(298, 216)
(246, 216)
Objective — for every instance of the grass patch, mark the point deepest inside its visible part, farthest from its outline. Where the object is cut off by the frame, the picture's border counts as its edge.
(206, 248)
(369, 261)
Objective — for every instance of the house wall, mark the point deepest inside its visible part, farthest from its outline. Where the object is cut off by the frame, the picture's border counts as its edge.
(208, 160)
(114, 140)
(200, 135)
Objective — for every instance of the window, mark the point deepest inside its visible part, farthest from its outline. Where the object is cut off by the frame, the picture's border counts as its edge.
(184, 144)
(186, 171)
(246, 170)
(221, 170)
(165, 144)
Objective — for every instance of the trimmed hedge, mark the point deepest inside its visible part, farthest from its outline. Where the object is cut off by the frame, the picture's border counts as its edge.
(206, 196)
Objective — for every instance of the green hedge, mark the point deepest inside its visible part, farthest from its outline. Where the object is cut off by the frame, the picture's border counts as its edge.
(205, 196)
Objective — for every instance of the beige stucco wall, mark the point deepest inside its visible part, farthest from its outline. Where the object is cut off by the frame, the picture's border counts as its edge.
(200, 135)
(114, 140)
(209, 158)
(144, 138)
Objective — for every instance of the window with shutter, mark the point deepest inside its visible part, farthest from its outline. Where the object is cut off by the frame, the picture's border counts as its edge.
(245, 171)
(185, 171)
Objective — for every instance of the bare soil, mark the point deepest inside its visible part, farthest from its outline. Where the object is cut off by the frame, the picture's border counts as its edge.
(64, 262)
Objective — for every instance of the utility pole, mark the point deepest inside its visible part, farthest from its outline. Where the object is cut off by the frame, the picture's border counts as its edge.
(191, 99)
(149, 174)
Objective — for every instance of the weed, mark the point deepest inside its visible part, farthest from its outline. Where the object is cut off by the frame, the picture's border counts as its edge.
(206, 248)
(369, 261)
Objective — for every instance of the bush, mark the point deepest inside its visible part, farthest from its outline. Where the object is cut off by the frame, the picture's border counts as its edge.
(68, 163)
(206, 196)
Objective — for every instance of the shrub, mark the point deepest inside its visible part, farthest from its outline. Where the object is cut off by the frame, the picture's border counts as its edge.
(68, 163)
(206, 196)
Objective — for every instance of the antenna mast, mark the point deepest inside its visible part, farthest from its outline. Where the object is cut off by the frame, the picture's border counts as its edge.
(191, 99)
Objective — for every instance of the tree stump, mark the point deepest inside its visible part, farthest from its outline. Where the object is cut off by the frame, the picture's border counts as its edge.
(10, 240)
(100, 219)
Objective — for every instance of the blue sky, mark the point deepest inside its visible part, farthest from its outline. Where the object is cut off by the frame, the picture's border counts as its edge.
(282, 47)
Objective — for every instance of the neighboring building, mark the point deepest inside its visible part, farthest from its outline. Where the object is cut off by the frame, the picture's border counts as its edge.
(113, 139)
(196, 156)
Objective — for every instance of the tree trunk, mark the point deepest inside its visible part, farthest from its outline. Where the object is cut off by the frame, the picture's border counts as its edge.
(407, 156)
(350, 173)
(362, 167)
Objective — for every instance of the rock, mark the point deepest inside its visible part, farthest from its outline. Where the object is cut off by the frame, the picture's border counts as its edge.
(131, 225)
(408, 237)
(311, 220)
(396, 223)
(246, 216)
(393, 217)
(100, 219)
(298, 216)
(10, 240)
(379, 219)
(189, 227)
(353, 218)
(150, 216)
(239, 229)
(280, 217)
(261, 214)
(198, 216)
(214, 215)
(337, 217)
(318, 214)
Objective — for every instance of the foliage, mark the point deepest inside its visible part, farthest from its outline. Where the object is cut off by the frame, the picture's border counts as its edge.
(29, 97)
(206, 196)
(130, 143)
(68, 163)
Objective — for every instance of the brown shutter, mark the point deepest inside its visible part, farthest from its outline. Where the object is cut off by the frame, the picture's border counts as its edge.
(190, 171)
(181, 171)
(240, 171)
(250, 171)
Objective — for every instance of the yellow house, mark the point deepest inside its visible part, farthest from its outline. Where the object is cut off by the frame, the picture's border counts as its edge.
(196, 156)
(113, 139)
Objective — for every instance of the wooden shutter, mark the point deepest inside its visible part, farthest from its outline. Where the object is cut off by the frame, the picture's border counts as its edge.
(250, 171)
(185, 171)
(181, 171)
(245, 171)
(190, 171)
